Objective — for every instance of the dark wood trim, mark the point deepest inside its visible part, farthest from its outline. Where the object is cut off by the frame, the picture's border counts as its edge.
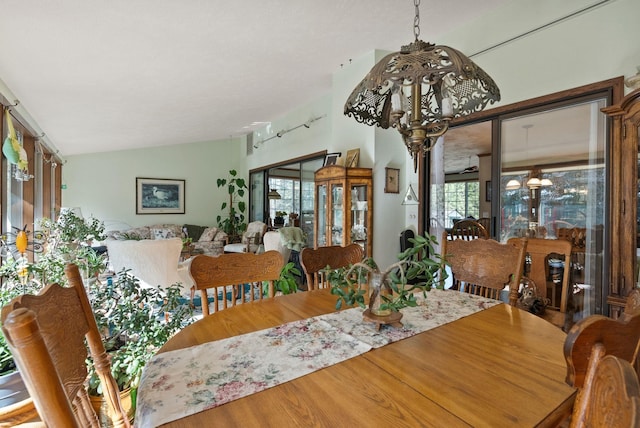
(553, 165)
(28, 187)
(304, 158)
(616, 85)
(57, 188)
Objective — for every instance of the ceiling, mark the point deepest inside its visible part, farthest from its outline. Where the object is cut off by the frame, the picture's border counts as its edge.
(112, 75)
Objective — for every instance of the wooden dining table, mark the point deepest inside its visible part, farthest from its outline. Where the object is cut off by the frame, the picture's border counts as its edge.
(500, 367)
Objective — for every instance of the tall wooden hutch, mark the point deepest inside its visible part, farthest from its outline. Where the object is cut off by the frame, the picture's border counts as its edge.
(344, 207)
(625, 226)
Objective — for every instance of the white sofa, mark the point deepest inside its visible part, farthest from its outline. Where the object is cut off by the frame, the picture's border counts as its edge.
(153, 261)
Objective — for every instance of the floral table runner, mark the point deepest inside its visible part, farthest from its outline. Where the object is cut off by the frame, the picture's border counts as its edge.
(179, 383)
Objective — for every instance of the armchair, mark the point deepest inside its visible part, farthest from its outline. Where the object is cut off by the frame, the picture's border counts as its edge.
(251, 239)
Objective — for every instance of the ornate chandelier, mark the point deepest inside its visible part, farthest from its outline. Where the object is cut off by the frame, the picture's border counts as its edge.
(446, 83)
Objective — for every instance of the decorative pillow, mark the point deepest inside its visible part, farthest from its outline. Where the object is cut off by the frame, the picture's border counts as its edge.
(221, 237)
(162, 233)
(193, 231)
(137, 233)
(208, 234)
(175, 228)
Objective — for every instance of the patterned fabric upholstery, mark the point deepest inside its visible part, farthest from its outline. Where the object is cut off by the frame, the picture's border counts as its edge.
(251, 239)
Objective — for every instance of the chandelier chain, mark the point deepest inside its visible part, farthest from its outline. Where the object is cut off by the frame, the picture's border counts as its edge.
(416, 19)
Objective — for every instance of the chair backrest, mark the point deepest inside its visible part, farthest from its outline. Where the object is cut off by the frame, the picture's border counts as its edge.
(272, 242)
(234, 277)
(619, 337)
(313, 261)
(405, 236)
(468, 229)
(253, 235)
(610, 396)
(486, 223)
(485, 266)
(153, 261)
(46, 334)
(576, 235)
(540, 252)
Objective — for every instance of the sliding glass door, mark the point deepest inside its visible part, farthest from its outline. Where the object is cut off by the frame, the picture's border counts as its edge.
(286, 188)
(553, 185)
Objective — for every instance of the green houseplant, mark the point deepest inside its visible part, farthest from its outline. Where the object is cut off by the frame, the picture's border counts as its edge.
(234, 223)
(134, 322)
(57, 243)
(287, 282)
(54, 244)
(418, 268)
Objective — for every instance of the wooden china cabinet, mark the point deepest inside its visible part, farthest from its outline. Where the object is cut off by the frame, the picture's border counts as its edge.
(625, 228)
(344, 207)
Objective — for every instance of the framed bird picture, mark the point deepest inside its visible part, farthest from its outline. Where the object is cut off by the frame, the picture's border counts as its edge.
(391, 180)
(159, 196)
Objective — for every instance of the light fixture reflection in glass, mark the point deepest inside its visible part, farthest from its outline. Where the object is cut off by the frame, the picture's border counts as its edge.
(513, 184)
(273, 194)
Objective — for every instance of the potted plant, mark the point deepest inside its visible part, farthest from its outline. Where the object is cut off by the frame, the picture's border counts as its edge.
(418, 268)
(279, 219)
(287, 283)
(134, 322)
(55, 244)
(234, 224)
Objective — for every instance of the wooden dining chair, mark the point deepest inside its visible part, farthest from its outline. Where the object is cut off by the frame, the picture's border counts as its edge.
(540, 251)
(234, 277)
(46, 334)
(468, 229)
(484, 266)
(314, 261)
(619, 337)
(610, 396)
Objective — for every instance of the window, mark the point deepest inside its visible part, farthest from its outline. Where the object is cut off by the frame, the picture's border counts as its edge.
(461, 199)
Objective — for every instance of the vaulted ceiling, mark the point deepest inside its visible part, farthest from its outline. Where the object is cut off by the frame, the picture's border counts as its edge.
(110, 75)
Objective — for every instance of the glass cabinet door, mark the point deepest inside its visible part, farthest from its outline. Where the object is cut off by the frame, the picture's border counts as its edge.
(359, 208)
(337, 213)
(321, 227)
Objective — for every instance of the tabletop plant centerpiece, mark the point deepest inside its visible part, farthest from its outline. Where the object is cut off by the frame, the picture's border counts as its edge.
(418, 268)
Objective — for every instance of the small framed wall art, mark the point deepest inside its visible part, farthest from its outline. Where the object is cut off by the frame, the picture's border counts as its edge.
(331, 158)
(391, 180)
(159, 196)
(353, 158)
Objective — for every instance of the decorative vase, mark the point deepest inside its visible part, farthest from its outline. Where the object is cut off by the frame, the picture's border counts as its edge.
(379, 289)
(104, 412)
